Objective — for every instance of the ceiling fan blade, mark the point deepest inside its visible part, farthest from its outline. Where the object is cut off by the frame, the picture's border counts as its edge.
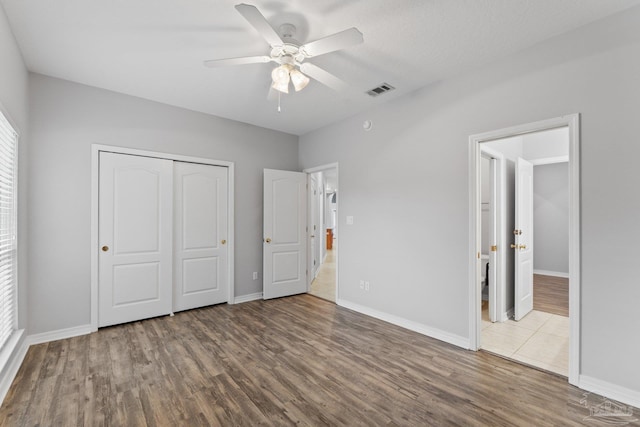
(260, 23)
(214, 63)
(324, 77)
(337, 41)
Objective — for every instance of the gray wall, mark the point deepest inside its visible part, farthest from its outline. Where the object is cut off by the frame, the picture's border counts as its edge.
(551, 217)
(406, 184)
(13, 104)
(65, 119)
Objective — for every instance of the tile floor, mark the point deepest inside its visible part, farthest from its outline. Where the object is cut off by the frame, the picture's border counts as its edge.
(324, 285)
(540, 339)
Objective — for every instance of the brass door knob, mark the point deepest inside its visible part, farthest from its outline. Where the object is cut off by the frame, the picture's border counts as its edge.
(105, 248)
(522, 247)
(224, 242)
(268, 240)
(514, 246)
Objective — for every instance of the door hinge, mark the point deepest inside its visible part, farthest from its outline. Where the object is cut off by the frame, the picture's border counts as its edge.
(494, 248)
(478, 255)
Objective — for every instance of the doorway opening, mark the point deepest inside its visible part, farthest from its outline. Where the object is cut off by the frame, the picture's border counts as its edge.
(522, 283)
(323, 231)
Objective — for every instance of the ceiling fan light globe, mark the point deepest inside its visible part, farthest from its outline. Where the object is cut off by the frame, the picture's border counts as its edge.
(281, 86)
(280, 74)
(299, 80)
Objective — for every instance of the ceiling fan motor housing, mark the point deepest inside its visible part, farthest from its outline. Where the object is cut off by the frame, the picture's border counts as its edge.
(289, 52)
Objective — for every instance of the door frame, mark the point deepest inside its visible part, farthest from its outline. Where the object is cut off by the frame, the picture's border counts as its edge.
(96, 149)
(309, 171)
(572, 121)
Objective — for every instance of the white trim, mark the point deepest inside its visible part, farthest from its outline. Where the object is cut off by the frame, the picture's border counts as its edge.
(551, 273)
(18, 352)
(59, 334)
(231, 232)
(246, 298)
(610, 391)
(321, 168)
(12, 122)
(575, 283)
(95, 181)
(572, 121)
(549, 160)
(420, 328)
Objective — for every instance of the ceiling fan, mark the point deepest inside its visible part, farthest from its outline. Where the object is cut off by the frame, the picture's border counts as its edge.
(290, 54)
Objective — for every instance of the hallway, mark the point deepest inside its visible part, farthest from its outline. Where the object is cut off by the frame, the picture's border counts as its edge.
(324, 285)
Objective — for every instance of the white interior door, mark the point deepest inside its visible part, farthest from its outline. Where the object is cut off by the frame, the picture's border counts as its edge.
(135, 223)
(315, 232)
(492, 277)
(200, 233)
(523, 241)
(285, 243)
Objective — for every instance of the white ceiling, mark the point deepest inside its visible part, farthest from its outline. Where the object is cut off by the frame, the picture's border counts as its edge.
(154, 49)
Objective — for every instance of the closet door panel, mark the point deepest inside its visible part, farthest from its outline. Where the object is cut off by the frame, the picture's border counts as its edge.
(135, 224)
(200, 246)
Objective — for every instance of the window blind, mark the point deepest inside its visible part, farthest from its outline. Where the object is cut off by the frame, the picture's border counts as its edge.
(8, 241)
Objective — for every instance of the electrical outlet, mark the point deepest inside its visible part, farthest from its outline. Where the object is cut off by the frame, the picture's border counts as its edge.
(366, 286)
(361, 284)
(255, 275)
(349, 220)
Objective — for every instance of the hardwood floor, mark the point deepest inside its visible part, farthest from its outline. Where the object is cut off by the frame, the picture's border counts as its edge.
(297, 360)
(551, 294)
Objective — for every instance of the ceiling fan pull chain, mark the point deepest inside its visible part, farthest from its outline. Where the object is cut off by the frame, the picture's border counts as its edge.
(279, 109)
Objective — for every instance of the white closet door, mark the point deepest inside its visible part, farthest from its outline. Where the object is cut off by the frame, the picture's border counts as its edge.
(135, 223)
(200, 246)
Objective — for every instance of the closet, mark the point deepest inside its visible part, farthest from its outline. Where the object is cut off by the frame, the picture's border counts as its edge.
(162, 235)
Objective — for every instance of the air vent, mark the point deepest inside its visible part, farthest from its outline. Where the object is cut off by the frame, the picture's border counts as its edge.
(383, 88)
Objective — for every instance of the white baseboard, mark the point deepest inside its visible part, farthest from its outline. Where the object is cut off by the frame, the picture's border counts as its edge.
(610, 391)
(11, 369)
(59, 334)
(408, 324)
(247, 298)
(551, 273)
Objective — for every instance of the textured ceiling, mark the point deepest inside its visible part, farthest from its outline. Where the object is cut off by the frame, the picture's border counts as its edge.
(154, 48)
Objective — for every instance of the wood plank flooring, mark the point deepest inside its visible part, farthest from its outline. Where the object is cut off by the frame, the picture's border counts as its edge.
(297, 360)
(551, 294)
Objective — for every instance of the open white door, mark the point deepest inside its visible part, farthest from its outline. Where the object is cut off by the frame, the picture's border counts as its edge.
(200, 246)
(523, 239)
(135, 223)
(315, 232)
(285, 243)
(492, 277)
